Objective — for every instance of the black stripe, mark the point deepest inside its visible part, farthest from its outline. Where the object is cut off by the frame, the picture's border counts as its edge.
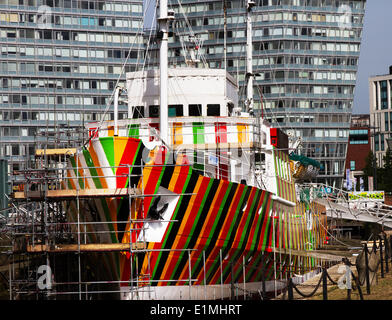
(122, 215)
(236, 224)
(263, 196)
(247, 232)
(183, 260)
(176, 225)
(167, 175)
(137, 170)
(214, 237)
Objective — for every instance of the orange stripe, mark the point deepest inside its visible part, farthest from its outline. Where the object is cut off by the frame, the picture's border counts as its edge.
(71, 180)
(82, 175)
(177, 134)
(182, 227)
(206, 221)
(110, 131)
(101, 175)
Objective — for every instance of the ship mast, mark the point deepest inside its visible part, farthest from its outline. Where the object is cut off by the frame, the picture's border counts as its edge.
(163, 21)
(249, 65)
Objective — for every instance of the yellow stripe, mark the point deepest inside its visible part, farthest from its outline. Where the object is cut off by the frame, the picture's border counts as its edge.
(119, 147)
(206, 221)
(242, 133)
(181, 229)
(177, 134)
(146, 258)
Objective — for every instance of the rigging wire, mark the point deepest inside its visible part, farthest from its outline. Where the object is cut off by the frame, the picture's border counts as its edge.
(109, 103)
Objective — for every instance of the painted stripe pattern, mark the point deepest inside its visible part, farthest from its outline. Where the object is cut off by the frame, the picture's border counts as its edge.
(218, 223)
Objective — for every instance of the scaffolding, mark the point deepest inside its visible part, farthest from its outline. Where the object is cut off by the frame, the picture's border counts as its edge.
(41, 234)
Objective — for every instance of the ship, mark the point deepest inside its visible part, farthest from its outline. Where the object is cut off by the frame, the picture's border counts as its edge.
(197, 191)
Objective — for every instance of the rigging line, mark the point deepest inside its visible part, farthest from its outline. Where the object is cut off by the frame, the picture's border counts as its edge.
(118, 80)
(147, 51)
(189, 27)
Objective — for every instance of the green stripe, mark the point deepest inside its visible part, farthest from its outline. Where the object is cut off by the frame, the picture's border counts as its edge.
(108, 147)
(93, 171)
(259, 222)
(171, 224)
(133, 130)
(254, 242)
(276, 172)
(198, 132)
(242, 242)
(198, 138)
(265, 240)
(225, 243)
(193, 227)
(215, 225)
(80, 180)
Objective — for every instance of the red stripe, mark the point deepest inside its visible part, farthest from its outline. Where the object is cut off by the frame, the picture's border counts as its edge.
(265, 221)
(208, 224)
(220, 132)
(221, 137)
(183, 237)
(179, 186)
(236, 243)
(225, 230)
(127, 159)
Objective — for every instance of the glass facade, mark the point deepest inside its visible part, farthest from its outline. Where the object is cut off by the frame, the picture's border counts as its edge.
(305, 55)
(59, 63)
(381, 115)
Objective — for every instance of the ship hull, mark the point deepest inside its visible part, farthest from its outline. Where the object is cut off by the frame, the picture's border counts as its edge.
(210, 234)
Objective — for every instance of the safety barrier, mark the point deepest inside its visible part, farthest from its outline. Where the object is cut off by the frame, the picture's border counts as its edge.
(367, 262)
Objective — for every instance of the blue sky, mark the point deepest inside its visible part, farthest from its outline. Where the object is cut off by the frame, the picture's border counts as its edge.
(376, 50)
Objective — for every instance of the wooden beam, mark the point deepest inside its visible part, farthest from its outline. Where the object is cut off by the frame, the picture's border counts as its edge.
(321, 254)
(71, 193)
(55, 152)
(212, 146)
(90, 247)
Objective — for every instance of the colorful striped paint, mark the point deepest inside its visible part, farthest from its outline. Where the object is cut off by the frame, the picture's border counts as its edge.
(217, 217)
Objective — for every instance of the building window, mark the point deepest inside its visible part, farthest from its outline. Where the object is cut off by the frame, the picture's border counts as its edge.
(376, 142)
(384, 95)
(386, 121)
(382, 142)
(352, 165)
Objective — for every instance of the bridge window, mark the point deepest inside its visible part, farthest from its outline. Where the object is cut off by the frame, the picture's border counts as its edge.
(138, 112)
(176, 110)
(153, 111)
(195, 110)
(213, 110)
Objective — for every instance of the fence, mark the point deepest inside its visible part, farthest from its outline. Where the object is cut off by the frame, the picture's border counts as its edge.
(368, 263)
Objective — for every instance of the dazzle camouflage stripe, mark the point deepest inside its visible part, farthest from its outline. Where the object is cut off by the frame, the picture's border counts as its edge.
(220, 217)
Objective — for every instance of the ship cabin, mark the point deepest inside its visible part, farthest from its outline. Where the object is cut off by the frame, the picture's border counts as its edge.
(204, 122)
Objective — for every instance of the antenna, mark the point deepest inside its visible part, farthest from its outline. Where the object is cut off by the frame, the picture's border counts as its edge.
(163, 21)
(249, 58)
